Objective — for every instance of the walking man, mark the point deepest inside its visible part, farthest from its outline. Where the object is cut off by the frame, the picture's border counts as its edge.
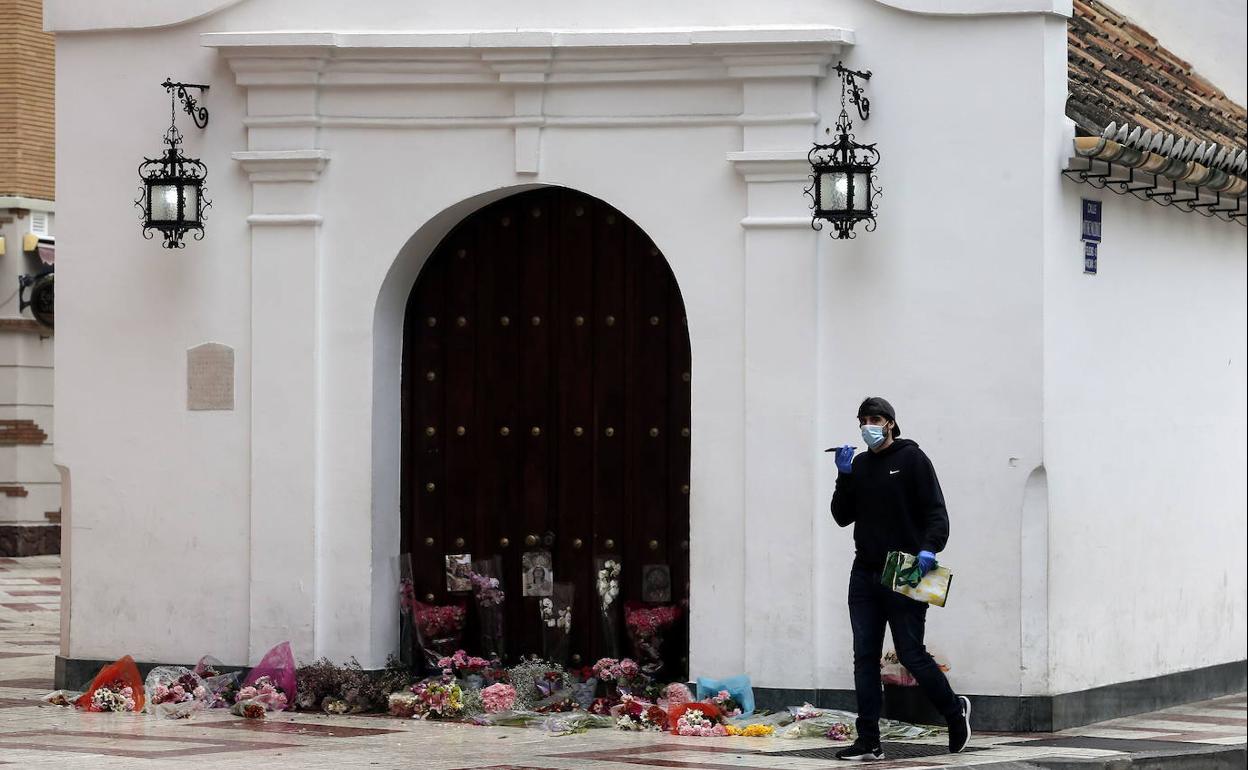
(892, 497)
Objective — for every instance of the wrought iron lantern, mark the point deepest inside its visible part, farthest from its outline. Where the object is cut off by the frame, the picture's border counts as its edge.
(172, 193)
(843, 187)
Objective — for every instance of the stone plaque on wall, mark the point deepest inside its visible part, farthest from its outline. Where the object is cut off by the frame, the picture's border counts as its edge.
(210, 377)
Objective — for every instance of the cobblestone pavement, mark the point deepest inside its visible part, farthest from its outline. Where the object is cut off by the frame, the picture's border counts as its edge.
(34, 734)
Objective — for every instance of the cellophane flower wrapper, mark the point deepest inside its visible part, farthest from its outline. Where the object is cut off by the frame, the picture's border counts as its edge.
(844, 721)
(278, 664)
(607, 585)
(510, 718)
(572, 722)
(488, 593)
(675, 712)
(737, 686)
(647, 625)
(124, 671)
(62, 697)
(221, 685)
(174, 692)
(264, 692)
(556, 616)
(709, 721)
(675, 694)
(534, 680)
(249, 709)
(439, 629)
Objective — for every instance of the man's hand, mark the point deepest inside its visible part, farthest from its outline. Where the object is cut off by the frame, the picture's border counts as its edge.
(845, 459)
(927, 562)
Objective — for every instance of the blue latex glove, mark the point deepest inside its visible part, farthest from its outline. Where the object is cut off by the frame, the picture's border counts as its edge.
(845, 459)
(927, 562)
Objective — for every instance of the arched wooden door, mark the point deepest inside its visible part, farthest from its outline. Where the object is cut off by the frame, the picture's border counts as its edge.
(546, 382)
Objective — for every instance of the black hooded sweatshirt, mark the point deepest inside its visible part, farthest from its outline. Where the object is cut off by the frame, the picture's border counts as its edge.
(894, 501)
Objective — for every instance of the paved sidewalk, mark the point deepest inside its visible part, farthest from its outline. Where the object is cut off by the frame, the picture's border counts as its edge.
(33, 734)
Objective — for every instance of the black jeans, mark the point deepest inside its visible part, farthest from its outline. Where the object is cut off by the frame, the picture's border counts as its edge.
(871, 605)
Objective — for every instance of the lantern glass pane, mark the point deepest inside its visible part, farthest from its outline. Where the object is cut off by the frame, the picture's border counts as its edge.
(163, 202)
(190, 207)
(862, 192)
(834, 191)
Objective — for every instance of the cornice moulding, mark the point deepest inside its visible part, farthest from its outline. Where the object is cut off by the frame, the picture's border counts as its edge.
(527, 56)
(1063, 8)
(771, 165)
(282, 165)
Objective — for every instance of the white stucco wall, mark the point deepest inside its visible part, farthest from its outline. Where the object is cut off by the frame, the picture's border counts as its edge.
(282, 522)
(1144, 443)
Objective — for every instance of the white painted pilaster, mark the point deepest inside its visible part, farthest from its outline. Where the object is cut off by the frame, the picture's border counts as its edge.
(285, 317)
(781, 373)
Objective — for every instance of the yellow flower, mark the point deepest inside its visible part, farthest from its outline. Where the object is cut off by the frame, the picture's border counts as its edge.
(751, 731)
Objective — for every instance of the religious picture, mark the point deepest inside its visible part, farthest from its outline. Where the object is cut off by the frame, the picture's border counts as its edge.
(539, 575)
(458, 571)
(656, 583)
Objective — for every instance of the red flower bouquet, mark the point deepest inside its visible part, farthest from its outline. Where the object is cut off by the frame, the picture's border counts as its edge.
(646, 626)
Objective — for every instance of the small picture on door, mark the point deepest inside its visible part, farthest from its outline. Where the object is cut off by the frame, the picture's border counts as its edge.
(458, 572)
(656, 583)
(538, 573)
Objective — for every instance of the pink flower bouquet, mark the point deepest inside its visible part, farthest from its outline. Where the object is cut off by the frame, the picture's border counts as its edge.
(498, 697)
(263, 692)
(277, 669)
(175, 692)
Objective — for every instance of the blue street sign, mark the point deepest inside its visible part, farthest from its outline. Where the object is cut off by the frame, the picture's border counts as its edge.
(1089, 257)
(1091, 220)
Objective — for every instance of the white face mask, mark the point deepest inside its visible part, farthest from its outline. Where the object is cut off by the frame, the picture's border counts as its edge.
(873, 435)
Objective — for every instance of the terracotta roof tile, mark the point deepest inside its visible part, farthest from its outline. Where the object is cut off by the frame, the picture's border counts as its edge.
(1118, 72)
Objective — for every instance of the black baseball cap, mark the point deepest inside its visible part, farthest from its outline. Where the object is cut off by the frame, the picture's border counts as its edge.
(875, 405)
(878, 407)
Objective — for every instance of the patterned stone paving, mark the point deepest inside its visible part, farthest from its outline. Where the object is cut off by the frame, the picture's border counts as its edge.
(34, 734)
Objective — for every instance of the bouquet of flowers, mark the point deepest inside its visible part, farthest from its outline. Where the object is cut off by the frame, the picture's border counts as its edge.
(625, 675)
(222, 687)
(608, 586)
(646, 626)
(116, 688)
(248, 710)
(61, 697)
(272, 682)
(498, 697)
(488, 592)
(114, 696)
(892, 672)
(730, 693)
(439, 628)
(263, 692)
(556, 615)
(438, 699)
(675, 694)
(726, 704)
(175, 692)
(840, 731)
(751, 731)
(698, 719)
(635, 714)
(584, 686)
(540, 686)
(461, 664)
(402, 704)
(347, 689)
